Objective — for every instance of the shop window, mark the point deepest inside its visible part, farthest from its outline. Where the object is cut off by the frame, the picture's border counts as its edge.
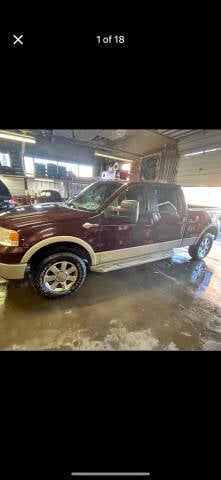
(85, 171)
(5, 160)
(29, 166)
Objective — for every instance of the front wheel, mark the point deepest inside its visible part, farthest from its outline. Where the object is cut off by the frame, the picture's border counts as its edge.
(59, 275)
(202, 248)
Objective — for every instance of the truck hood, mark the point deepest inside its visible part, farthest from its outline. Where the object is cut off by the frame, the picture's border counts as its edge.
(33, 215)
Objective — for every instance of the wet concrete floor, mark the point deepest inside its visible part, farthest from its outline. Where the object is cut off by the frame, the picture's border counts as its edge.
(166, 305)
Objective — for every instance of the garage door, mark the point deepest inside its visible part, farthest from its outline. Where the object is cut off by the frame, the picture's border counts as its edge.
(200, 170)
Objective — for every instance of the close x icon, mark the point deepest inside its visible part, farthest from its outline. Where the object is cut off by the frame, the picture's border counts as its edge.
(16, 39)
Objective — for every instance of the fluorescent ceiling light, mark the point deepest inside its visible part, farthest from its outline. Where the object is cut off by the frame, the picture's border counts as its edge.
(212, 150)
(17, 137)
(201, 152)
(106, 155)
(195, 153)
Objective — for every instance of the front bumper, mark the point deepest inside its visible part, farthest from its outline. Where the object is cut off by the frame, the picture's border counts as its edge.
(12, 272)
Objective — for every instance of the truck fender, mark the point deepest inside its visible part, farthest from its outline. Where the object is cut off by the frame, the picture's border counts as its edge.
(211, 228)
(49, 241)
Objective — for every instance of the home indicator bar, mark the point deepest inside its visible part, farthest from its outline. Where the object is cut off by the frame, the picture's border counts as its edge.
(110, 474)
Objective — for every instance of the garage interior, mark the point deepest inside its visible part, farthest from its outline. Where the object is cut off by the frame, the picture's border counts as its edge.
(171, 304)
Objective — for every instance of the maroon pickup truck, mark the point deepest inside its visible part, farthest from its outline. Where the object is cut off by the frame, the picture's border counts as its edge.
(108, 226)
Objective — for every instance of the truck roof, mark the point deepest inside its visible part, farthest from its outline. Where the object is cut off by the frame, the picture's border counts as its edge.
(133, 182)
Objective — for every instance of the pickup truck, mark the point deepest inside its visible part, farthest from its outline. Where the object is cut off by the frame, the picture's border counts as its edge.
(108, 226)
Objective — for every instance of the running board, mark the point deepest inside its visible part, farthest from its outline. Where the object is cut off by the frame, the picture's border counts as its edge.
(130, 262)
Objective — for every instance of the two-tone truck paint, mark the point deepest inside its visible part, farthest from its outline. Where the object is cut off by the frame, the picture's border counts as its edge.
(108, 226)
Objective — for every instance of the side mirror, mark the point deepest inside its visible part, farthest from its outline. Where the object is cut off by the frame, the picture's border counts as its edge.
(127, 211)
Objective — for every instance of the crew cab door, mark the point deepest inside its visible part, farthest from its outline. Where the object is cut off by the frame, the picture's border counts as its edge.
(120, 239)
(169, 213)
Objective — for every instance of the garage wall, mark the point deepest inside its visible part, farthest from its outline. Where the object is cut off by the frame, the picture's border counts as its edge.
(66, 189)
(200, 170)
(167, 160)
(15, 185)
(58, 150)
(62, 151)
(14, 150)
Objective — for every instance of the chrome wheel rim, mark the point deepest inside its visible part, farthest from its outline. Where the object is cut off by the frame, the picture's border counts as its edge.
(204, 247)
(61, 276)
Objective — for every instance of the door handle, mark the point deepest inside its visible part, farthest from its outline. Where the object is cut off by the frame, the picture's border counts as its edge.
(88, 225)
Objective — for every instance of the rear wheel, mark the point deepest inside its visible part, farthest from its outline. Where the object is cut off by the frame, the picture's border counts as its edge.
(59, 275)
(202, 248)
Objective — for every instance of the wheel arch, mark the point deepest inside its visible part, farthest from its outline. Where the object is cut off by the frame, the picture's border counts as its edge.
(73, 243)
(209, 229)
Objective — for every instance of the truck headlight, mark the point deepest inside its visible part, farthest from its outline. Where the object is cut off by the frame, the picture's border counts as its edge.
(9, 238)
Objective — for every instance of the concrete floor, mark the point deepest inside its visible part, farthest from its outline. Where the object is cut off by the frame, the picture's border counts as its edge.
(166, 305)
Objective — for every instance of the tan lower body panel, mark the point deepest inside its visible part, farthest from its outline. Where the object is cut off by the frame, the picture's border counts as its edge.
(130, 262)
(114, 256)
(12, 272)
(188, 241)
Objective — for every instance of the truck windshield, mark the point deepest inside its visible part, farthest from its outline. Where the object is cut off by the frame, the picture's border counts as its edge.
(92, 197)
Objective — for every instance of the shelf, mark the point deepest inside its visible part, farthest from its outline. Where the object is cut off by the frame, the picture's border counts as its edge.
(49, 179)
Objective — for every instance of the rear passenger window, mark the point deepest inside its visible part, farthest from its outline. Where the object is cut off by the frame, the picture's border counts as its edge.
(167, 199)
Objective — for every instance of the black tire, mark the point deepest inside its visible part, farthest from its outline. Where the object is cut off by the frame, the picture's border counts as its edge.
(198, 252)
(64, 283)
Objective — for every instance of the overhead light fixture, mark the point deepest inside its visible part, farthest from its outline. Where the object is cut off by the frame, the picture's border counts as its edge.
(106, 155)
(17, 137)
(202, 151)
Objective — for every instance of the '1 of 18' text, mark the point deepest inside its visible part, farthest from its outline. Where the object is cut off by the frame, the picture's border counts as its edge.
(111, 39)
